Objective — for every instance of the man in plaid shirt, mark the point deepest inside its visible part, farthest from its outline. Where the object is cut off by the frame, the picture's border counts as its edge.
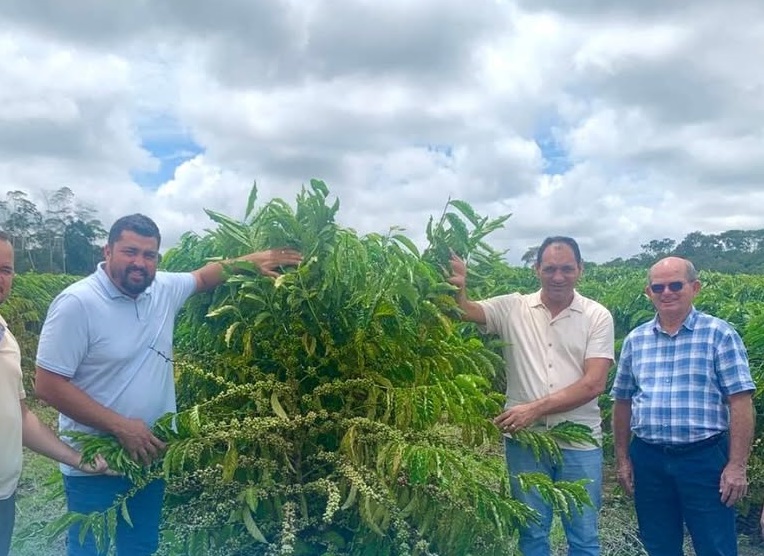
(683, 388)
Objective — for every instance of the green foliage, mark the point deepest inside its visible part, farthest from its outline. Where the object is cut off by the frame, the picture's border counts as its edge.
(547, 444)
(460, 232)
(737, 298)
(337, 409)
(25, 311)
(731, 252)
(341, 409)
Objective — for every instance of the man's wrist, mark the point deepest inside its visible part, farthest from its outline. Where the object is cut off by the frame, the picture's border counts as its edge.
(538, 408)
(116, 425)
(621, 458)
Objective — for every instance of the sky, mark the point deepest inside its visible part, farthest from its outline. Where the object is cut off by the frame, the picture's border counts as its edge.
(615, 122)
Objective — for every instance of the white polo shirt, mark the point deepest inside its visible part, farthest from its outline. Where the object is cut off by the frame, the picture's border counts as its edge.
(543, 355)
(11, 391)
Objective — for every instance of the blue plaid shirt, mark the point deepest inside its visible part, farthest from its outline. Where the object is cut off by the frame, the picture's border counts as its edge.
(678, 384)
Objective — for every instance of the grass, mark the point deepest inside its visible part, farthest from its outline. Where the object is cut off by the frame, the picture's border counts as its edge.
(40, 499)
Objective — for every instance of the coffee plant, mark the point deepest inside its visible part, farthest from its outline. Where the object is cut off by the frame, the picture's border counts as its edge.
(343, 408)
(338, 409)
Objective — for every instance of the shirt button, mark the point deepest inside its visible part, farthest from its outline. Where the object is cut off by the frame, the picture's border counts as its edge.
(550, 365)
(550, 345)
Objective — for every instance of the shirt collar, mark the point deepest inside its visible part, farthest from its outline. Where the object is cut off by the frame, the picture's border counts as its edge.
(576, 305)
(112, 290)
(688, 323)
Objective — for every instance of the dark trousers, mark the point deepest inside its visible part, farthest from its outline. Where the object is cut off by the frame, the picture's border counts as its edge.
(7, 519)
(672, 487)
(96, 494)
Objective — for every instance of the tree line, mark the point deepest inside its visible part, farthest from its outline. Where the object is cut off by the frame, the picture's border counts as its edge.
(730, 252)
(66, 236)
(63, 236)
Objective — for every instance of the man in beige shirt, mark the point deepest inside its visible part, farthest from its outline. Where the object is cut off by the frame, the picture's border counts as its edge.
(558, 349)
(18, 425)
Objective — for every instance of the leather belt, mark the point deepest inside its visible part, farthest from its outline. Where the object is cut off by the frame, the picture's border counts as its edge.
(689, 447)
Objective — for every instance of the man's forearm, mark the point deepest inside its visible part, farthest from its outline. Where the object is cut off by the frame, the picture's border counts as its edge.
(568, 398)
(621, 429)
(473, 312)
(39, 438)
(74, 403)
(584, 390)
(741, 428)
(267, 262)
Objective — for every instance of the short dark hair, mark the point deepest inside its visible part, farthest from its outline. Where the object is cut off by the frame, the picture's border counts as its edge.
(5, 237)
(138, 223)
(565, 240)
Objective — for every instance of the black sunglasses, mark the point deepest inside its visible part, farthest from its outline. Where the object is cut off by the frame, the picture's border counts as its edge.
(672, 286)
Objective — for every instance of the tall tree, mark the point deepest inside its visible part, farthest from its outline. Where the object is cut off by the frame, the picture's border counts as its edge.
(733, 251)
(529, 257)
(81, 239)
(23, 224)
(65, 237)
(58, 215)
(658, 248)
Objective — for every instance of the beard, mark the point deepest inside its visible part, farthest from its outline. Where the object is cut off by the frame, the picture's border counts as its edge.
(130, 285)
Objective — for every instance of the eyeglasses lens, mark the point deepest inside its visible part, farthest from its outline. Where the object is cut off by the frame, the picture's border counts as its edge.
(672, 286)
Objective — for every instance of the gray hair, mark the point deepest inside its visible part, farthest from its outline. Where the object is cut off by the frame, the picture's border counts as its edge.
(690, 272)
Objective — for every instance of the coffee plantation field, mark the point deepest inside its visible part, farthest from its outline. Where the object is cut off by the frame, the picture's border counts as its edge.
(343, 408)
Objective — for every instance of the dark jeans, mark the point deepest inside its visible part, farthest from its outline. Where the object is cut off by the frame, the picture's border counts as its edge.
(676, 487)
(7, 518)
(95, 494)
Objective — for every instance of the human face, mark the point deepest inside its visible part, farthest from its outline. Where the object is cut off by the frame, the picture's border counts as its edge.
(558, 273)
(671, 305)
(6, 269)
(131, 262)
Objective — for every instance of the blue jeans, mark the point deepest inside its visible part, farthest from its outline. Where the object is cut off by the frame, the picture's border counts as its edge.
(95, 494)
(7, 519)
(581, 529)
(672, 488)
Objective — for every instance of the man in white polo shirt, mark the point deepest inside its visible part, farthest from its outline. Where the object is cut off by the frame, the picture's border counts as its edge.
(558, 350)
(105, 362)
(18, 425)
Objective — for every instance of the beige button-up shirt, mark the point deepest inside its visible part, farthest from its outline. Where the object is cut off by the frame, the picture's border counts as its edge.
(11, 391)
(543, 354)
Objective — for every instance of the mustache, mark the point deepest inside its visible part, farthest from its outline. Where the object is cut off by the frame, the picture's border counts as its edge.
(130, 269)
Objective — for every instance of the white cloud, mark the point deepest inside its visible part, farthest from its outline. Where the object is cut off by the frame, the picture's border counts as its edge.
(615, 122)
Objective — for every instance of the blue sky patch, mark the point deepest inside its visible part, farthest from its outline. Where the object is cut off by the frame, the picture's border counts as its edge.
(171, 146)
(556, 160)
